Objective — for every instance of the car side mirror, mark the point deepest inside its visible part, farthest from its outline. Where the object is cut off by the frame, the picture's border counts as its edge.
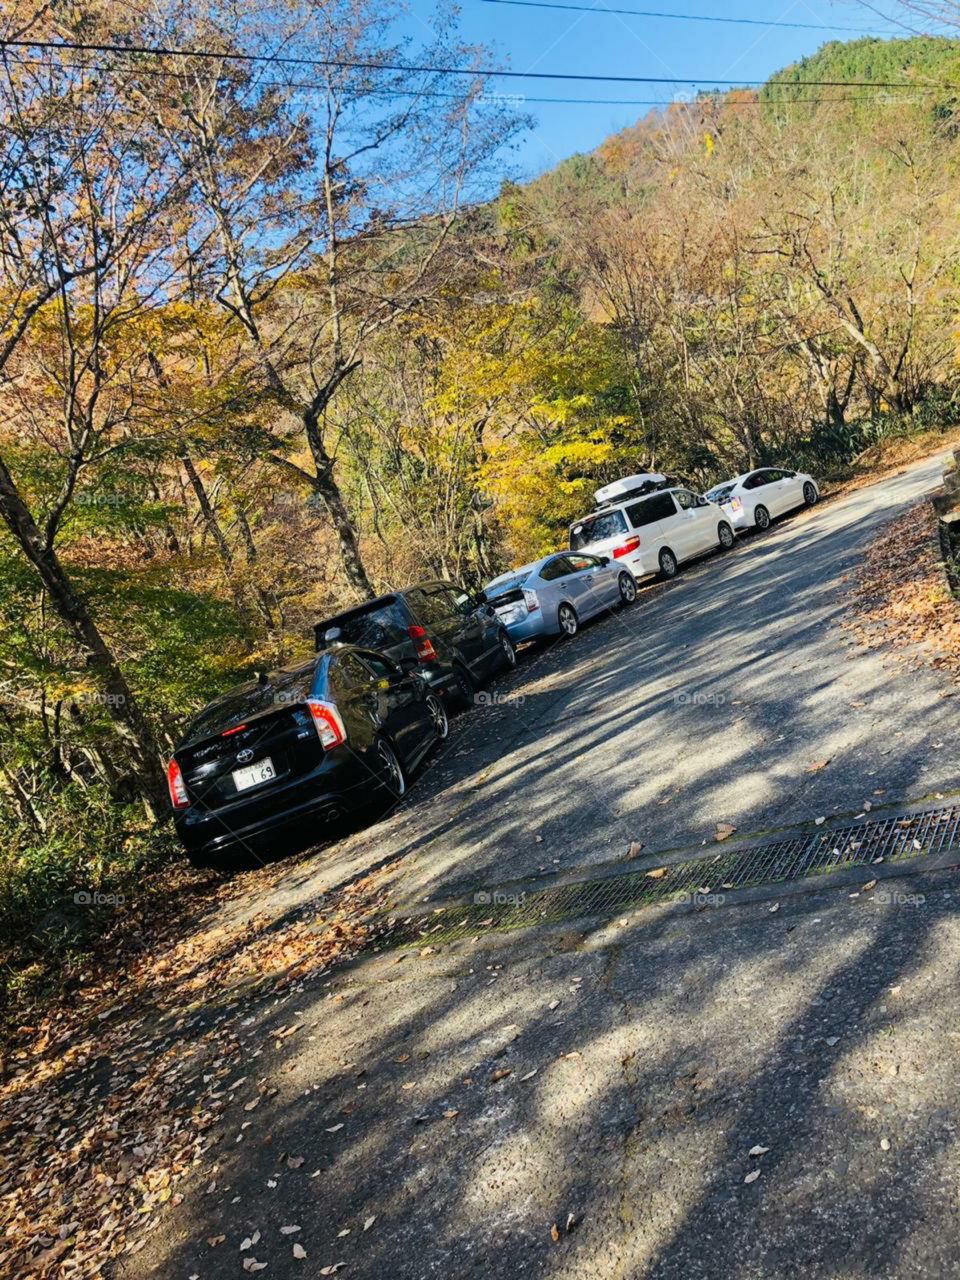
(604, 559)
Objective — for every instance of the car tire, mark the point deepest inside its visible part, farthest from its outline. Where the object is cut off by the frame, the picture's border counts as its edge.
(810, 495)
(438, 714)
(761, 518)
(628, 589)
(508, 651)
(669, 568)
(393, 778)
(462, 689)
(725, 536)
(568, 620)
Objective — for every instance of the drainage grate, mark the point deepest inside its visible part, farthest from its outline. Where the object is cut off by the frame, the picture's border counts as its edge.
(896, 839)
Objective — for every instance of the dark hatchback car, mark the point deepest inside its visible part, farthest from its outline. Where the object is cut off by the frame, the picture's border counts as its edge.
(305, 746)
(453, 637)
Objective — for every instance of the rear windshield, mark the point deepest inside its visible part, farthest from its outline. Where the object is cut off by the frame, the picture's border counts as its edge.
(281, 689)
(608, 524)
(720, 492)
(496, 589)
(377, 626)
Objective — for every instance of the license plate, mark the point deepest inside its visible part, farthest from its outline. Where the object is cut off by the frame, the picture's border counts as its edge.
(253, 774)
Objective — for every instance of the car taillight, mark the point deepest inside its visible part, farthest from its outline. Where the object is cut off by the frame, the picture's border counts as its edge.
(631, 544)
(178, 788)
(327, 722)
(425, 650)
(533, 604)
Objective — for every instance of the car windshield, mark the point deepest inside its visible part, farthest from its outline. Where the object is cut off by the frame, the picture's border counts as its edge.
(607, 524)
(720, 492)
(375, 626)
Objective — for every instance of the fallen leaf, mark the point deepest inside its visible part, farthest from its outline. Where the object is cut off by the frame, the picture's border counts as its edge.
(294, 1162)
(724, 830)
(752, 1176)
(758, 1151)
(817, 765)
(529, 1075)
(635, 849)
(657, 873)
(554, 1233)
(501, 1073)
(774, 907)
(298, 1250)
(450, 1115)
(571, 1223)
(251, 1264)
(289, 1231)
(213, 1241)
(249, 1106)
(335, 1128)
(818, 822)
(871, 884)
(368, 1222)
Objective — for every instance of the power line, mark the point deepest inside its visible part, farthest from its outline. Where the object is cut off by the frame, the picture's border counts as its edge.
(479, 73)
(521, 99)
(685, 17)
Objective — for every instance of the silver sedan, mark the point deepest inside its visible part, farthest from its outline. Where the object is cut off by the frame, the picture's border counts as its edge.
(553, 596)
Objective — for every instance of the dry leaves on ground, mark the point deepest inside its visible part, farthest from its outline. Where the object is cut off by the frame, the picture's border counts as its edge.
(111, 1100)
(901, 598)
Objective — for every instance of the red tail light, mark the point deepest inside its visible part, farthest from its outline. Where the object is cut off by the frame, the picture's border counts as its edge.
(425, 650)
(178, 788)
(236, 729)
(327, 722)
(631, 544)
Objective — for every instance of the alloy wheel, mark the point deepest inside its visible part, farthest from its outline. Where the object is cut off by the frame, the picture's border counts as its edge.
(668, 563)
(810, 494)
(393, 778)
(726, 535)
(509, 653)
(438, 715)
(628, 588)
(761, 518)
(567, 616)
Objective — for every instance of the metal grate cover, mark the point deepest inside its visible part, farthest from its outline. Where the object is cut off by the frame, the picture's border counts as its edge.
(896, 839)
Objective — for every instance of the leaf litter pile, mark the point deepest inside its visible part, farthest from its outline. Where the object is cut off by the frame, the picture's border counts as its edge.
(901, 597)
(107, 1102)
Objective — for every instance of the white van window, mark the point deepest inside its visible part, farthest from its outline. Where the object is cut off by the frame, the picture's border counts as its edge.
(607, 524)
(659, 507)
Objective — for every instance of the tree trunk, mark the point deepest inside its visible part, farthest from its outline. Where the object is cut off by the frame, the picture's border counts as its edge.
(141, 746)
(328, 491)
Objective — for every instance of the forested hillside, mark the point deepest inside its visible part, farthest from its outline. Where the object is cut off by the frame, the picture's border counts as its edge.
(262, 357)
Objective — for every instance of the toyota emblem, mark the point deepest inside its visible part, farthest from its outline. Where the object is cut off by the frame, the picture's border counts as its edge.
(244, 755)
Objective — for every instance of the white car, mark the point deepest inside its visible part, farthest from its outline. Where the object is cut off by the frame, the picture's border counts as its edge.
(652, 533)
(752, 500)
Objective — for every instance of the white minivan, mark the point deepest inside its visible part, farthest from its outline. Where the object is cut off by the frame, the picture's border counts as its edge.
(654, 533)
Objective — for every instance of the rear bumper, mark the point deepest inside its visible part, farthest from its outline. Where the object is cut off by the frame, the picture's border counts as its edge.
(742, 519)
(643, 562)
(528, 628)
(336, 787)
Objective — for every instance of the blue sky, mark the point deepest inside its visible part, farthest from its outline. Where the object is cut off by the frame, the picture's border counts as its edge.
(531, 39)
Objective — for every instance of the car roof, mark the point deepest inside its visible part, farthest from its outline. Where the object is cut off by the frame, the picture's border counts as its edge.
(624, 502)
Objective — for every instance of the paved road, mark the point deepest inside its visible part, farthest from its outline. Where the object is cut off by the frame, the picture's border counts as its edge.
(646, 1057)
(706, 702)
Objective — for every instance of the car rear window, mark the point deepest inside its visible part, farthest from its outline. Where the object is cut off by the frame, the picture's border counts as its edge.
(282, 688)
(376, 626)
(659, 507)
(720, 492)
(607, 524)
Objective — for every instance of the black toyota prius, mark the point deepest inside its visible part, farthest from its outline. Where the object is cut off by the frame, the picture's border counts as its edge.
(305, 746)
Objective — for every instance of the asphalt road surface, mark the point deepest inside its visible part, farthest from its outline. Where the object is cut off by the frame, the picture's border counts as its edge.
(616, 1075)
